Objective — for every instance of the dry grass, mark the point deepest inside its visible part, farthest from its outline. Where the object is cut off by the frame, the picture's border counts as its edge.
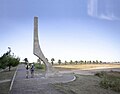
(4, 87)
(7, 74)
(84, 84)
(86, 66)
(110, 80)
(4, 75)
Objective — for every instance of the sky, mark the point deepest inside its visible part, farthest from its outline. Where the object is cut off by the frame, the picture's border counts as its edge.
(68, 29)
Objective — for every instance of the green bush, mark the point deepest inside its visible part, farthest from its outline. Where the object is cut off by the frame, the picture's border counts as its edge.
(100, 74)
(109, 81)
(39, 66)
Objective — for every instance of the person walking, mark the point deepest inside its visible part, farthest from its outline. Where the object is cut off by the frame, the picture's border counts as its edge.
(27, 71)
(32, 70)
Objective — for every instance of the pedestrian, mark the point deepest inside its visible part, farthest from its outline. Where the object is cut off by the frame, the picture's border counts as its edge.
(32, 70)
(27, 71)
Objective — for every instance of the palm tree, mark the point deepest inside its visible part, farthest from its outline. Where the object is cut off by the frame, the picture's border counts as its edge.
(100, 62)
(59, 62)
(65, 62)
(71, 61)
(85, 61)
(26, 60)
(94, 62)
(97, 62)
(52, 60)
(76, 62)
(47, 59)
(81, 61)
(90, 62)
(39, 61)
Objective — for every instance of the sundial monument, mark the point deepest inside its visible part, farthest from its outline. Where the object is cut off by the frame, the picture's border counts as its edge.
(50, 71)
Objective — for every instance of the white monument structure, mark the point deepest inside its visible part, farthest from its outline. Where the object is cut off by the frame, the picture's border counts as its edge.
(38, 52)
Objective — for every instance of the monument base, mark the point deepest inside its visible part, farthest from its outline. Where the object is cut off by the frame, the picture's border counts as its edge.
(52, 73)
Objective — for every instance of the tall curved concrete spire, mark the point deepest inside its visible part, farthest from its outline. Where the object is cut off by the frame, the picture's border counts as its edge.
(37, 50)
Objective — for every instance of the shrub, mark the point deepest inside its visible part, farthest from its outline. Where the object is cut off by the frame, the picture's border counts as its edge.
(100, 74)
(109, 81)
(39, 66)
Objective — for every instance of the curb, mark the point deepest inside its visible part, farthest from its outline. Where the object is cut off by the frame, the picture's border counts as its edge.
(74, 78)
(3, 69)
(11, 85)
(8, 80)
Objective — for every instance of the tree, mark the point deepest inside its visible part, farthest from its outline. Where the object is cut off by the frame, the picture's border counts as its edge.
(39, 61)
(12, 62)
(76, 62)
(3, 61)
(100, 62)
(94, 62)
(90, 62)
(8, 60)
(52, 60)
(59, 62)
(66, 62)
(97, 62)
(47, 59)
(71, 61)
(81, 62)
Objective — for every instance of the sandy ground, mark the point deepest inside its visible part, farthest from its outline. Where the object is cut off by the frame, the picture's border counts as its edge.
(87, 69)
(87, 66)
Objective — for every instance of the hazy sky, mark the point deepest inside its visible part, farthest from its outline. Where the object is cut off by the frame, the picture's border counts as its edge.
(68, 29)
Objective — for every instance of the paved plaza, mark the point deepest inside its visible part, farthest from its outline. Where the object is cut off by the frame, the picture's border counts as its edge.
(37, 85)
